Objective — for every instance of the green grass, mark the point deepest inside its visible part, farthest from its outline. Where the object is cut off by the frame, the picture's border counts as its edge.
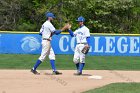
(117, 88)
(18, 61)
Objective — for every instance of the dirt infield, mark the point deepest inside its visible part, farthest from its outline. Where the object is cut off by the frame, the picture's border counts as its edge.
(23, 81)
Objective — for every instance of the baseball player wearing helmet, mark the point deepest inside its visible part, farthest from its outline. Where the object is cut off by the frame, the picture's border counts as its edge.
(82, 35)
(46, 31)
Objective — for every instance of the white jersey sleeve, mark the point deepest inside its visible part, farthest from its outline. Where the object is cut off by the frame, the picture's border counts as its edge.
(87, 32)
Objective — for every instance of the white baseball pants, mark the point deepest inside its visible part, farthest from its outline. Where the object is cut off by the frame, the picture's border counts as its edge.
(78, 55)
(47, 51)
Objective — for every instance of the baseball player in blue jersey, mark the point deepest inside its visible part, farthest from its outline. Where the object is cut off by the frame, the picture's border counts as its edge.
(82, 35)
(46, 31)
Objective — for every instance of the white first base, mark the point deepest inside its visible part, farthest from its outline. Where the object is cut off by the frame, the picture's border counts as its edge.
(95, 77)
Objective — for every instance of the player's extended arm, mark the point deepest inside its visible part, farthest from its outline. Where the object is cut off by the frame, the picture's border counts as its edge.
(65, 27)
(57, 32)
(71, 32)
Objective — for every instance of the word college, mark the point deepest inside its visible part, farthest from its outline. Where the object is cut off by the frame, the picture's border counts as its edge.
(105, 45)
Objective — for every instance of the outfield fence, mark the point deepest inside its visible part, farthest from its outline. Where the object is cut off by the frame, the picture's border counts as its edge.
(100, 44)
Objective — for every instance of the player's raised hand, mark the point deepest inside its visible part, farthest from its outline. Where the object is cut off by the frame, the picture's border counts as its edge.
(69, 27)
(66, 27)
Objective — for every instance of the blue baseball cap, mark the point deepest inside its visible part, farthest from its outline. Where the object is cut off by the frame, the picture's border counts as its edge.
(49, 14)
(80, 19)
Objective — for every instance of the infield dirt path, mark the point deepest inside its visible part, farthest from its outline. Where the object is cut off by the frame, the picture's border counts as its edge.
(23, 81)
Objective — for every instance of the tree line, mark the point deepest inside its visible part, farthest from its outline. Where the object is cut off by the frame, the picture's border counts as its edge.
(102, 16)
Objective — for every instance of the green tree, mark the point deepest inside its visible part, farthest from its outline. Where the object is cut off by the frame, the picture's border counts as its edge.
(9, 14)
(111, 16)
(102, 16)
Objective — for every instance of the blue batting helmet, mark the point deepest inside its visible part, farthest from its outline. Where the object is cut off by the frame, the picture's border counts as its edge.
(49, 14)
(80, 19)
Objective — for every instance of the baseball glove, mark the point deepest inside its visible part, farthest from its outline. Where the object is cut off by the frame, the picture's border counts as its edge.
(66, 26)
(85, 49)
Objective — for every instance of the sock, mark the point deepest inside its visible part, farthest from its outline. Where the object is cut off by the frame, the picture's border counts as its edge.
(77, 66)
(81, 66)
(38, 62)
(53, 65)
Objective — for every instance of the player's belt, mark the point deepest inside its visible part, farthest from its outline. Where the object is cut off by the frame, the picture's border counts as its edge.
(46, 39)
(81, 43)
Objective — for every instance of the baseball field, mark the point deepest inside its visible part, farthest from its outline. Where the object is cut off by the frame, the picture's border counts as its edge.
(118, 75)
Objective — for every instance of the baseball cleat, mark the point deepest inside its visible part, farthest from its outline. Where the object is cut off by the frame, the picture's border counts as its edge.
(35, 72)
(78, 73)
(56, 73)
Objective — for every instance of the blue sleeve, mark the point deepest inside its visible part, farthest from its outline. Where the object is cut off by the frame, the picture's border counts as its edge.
(71, 33)
(88, 40)
(40, 34)
(57, 32)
